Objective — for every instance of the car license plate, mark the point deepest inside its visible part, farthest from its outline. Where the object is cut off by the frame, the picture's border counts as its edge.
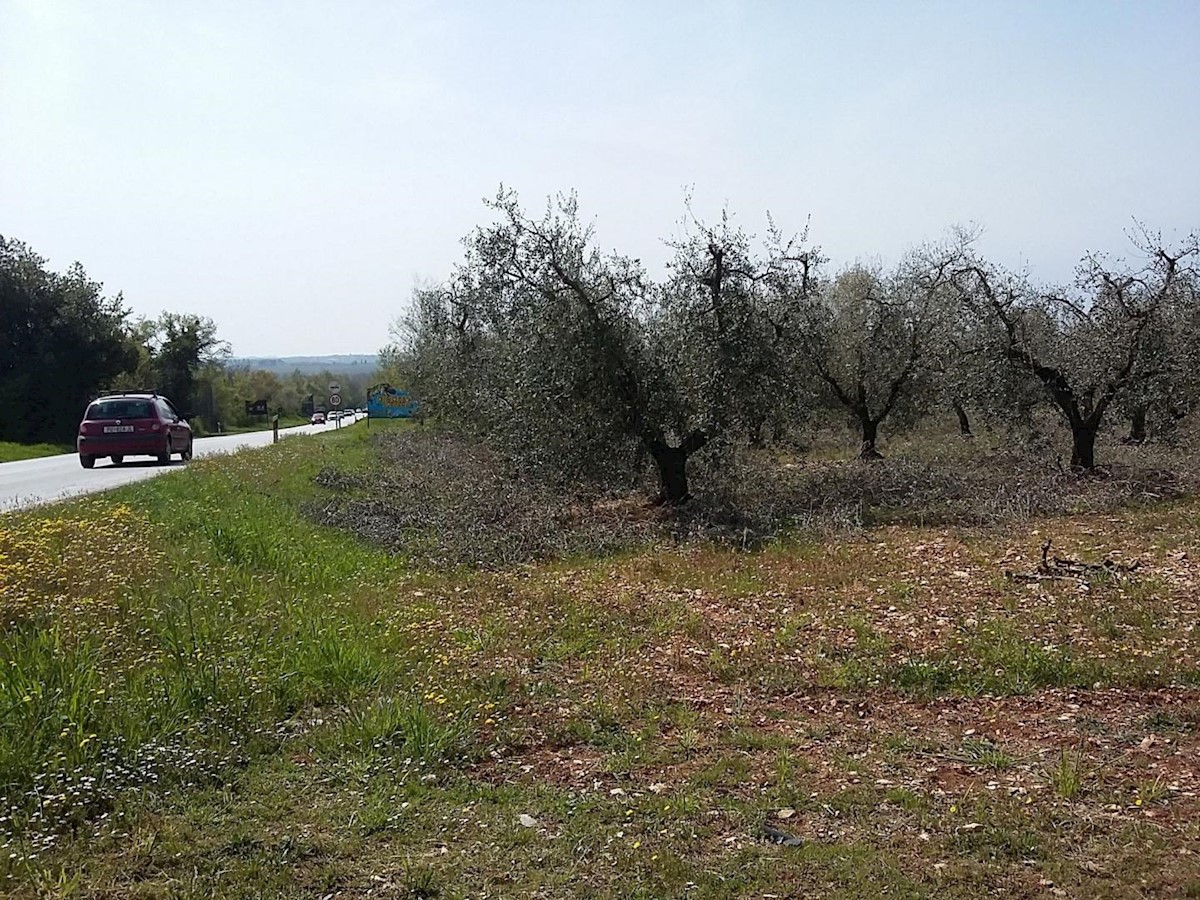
(117, 429)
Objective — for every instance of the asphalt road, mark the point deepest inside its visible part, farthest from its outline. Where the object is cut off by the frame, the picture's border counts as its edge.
(30, 482)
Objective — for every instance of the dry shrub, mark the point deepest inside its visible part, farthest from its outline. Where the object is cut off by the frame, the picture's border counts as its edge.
(763, 497)
(440, 499)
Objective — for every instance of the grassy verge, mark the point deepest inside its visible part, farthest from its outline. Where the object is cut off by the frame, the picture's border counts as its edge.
(206, 694)
(284, 422)
(10, 452)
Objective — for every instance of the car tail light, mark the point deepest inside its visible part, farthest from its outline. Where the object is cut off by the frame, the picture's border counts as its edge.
(155, 426)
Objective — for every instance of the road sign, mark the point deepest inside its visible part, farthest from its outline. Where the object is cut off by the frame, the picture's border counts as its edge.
(335, 400)
(334, 387)
(387, 402)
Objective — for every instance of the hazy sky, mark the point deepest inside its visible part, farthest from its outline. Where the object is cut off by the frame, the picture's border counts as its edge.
(293, 169)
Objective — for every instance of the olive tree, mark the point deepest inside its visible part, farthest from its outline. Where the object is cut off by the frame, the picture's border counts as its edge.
(1089, 345)
(577, 361)
(873, 338)
(969, 376)
(1158, 403)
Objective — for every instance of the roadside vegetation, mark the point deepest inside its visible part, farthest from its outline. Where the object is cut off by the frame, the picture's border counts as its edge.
(264, 425)
(10, 452)
(209, 692)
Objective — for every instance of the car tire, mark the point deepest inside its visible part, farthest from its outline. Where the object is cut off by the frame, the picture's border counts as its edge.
(118, 459)
(165, 458)
(86, 461)
(185, 455)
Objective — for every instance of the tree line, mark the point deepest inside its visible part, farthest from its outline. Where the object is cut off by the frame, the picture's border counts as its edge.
(297, 394)
(579, 362)
(63, 342)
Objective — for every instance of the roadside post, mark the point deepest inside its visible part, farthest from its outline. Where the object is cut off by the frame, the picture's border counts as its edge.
(335, 401)
(275, 428)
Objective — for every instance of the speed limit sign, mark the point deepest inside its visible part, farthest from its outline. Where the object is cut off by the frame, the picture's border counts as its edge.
(335, 400)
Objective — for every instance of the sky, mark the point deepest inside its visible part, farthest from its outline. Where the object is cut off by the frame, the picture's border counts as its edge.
(294, 169)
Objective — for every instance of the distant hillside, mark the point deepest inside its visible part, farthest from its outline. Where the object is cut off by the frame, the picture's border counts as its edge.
(345, 363)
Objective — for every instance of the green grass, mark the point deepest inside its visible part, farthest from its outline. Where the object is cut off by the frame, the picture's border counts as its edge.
(996, 660)
(284, 422)
(10, 452)
(203, 693)
(1067, 776)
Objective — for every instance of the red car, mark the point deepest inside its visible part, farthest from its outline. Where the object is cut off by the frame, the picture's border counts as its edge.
(123, 425)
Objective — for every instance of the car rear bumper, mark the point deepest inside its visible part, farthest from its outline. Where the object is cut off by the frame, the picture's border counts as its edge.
(121, 445)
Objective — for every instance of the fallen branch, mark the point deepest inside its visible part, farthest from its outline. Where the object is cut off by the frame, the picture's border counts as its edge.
(1060, 568)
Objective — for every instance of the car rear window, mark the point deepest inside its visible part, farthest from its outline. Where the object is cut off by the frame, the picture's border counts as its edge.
(121, 409)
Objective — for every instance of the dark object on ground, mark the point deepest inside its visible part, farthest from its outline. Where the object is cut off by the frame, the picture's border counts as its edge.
(777, 836)
(1060, 567)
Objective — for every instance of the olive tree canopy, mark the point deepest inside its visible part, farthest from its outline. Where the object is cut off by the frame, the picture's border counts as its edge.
(578, 362)
(1089, 345)
(874, 339)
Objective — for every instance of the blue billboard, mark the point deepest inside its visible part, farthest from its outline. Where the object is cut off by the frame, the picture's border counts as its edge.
(387, 402)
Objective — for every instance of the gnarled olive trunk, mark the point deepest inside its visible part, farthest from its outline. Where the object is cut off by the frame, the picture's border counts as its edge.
(870, 434)
(672, 467)
(1083, 446)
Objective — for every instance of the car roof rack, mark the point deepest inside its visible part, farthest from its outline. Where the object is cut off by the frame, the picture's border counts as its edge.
(150, 393)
